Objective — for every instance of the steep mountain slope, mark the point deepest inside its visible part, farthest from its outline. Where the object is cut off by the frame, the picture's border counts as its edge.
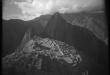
(95, 22)
(59, 29)
(80, 37)
(13, 31)
(55, 22)
(44, 19)
(41, 56)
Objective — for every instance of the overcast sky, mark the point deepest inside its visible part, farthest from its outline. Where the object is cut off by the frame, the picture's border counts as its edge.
(30, 9)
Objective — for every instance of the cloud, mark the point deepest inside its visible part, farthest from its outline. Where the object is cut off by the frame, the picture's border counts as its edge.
(34, 8)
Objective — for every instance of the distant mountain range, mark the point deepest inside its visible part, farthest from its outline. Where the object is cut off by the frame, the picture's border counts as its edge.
(95, 22)
(57, 27)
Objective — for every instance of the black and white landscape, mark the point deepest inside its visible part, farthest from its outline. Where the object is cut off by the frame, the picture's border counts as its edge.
(54, 37)
(85, 33)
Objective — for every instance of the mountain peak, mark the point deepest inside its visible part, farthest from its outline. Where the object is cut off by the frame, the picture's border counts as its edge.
(56, 18)
(55, 24)
(57, 15)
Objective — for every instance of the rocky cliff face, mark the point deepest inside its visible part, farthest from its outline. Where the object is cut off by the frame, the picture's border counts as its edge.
(41, 55)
